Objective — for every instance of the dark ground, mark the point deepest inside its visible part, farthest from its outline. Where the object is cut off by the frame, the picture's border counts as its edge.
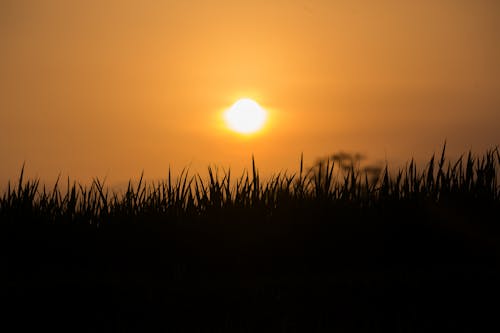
(396, 268)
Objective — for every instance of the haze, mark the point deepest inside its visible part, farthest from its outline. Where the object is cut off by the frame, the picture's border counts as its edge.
(111, 88)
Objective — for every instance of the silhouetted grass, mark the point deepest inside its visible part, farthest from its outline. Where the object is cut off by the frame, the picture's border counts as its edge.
(469, 179)
(332, 247)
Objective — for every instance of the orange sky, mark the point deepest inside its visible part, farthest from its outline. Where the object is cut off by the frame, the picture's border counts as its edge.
(111, 88)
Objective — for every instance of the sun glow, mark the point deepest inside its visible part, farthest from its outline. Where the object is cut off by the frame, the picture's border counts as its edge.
(245, 116)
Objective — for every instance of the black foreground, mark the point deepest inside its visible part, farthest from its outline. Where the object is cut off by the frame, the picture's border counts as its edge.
(403, 269)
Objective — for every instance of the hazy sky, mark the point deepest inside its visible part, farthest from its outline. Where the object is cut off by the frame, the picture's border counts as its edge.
(111, 88)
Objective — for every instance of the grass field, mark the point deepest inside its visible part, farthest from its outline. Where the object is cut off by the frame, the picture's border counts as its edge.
(326, 249)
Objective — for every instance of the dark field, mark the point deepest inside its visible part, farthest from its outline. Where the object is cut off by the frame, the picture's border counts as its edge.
(325, 250)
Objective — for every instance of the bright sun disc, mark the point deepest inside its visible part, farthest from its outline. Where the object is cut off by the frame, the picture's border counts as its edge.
(245, 116)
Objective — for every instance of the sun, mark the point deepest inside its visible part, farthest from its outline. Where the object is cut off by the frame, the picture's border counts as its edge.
(245, 116)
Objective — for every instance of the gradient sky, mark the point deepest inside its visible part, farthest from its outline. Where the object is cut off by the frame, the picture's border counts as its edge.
(111, 88)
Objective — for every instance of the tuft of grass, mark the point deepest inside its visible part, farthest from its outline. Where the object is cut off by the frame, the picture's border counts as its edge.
(469, 179)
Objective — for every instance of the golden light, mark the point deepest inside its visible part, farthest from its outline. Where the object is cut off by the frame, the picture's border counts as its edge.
(245, 116)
